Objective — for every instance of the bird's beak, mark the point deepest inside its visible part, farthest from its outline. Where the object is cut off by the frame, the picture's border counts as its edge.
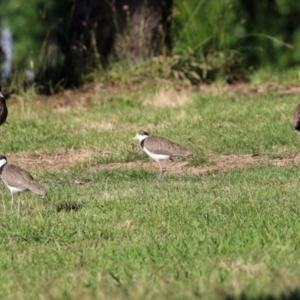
(1, 95)
(136, 137)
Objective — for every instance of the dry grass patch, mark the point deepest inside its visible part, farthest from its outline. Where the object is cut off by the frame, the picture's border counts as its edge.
(65, 159)
(98, 126)
(103, 126)
(169, 97)
(60, 161)
(246, 89)
(218, 163)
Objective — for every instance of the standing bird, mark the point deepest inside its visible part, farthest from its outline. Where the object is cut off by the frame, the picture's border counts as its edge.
(159, 148)
(296, 120)
(3, 108)
(18, 180)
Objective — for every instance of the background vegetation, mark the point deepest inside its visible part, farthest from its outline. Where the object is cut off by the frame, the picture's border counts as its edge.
(210, 38)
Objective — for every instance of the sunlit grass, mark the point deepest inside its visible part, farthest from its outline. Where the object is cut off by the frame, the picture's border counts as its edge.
(275, 75)
(119, 234)
(123, 233)
(206, 123)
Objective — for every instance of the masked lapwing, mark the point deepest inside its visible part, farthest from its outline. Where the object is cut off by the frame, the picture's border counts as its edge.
(18, 180)
(159, 148)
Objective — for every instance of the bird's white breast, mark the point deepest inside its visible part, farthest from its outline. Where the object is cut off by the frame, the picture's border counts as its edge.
(13, 189)
(156, 157)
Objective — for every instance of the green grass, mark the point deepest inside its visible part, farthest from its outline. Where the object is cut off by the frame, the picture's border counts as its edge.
(130, 237)
(222, 124)
(274, 74)
(123, 235)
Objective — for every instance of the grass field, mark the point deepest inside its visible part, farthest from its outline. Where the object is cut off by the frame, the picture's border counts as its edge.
(107, 232)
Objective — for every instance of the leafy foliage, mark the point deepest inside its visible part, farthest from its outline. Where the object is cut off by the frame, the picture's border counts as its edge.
(210, 38)
(264, 32)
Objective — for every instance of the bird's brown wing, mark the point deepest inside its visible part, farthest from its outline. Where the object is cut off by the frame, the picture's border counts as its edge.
(159, 145)
(17, 177)
(296, 121)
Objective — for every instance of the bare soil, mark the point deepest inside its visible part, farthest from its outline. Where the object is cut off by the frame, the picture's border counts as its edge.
(62, 161)
(219, 163)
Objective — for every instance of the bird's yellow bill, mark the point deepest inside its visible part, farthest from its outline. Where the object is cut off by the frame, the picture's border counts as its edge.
(136, 137)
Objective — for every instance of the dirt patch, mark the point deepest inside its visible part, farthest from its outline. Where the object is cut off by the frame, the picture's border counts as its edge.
(219, 163)
(67, 159)
(64, 160)
(60, 161)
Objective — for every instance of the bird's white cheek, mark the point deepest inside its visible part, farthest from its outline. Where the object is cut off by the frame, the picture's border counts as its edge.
(2, 162)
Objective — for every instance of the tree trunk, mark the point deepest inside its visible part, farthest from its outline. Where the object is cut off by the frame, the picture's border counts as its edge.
(132, 29)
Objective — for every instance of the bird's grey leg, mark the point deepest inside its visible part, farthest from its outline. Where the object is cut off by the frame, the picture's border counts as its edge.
(12, 201)
(19, 204)
(161, 172)
(172, 164)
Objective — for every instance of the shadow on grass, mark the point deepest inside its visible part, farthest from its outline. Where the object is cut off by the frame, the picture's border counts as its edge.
(294, 295)
(68, 206)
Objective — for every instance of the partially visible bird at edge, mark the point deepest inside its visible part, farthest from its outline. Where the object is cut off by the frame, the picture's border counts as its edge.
(3, 108)
(18, 180)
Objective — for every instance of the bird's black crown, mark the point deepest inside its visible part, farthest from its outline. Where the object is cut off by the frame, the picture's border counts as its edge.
(143, 132)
